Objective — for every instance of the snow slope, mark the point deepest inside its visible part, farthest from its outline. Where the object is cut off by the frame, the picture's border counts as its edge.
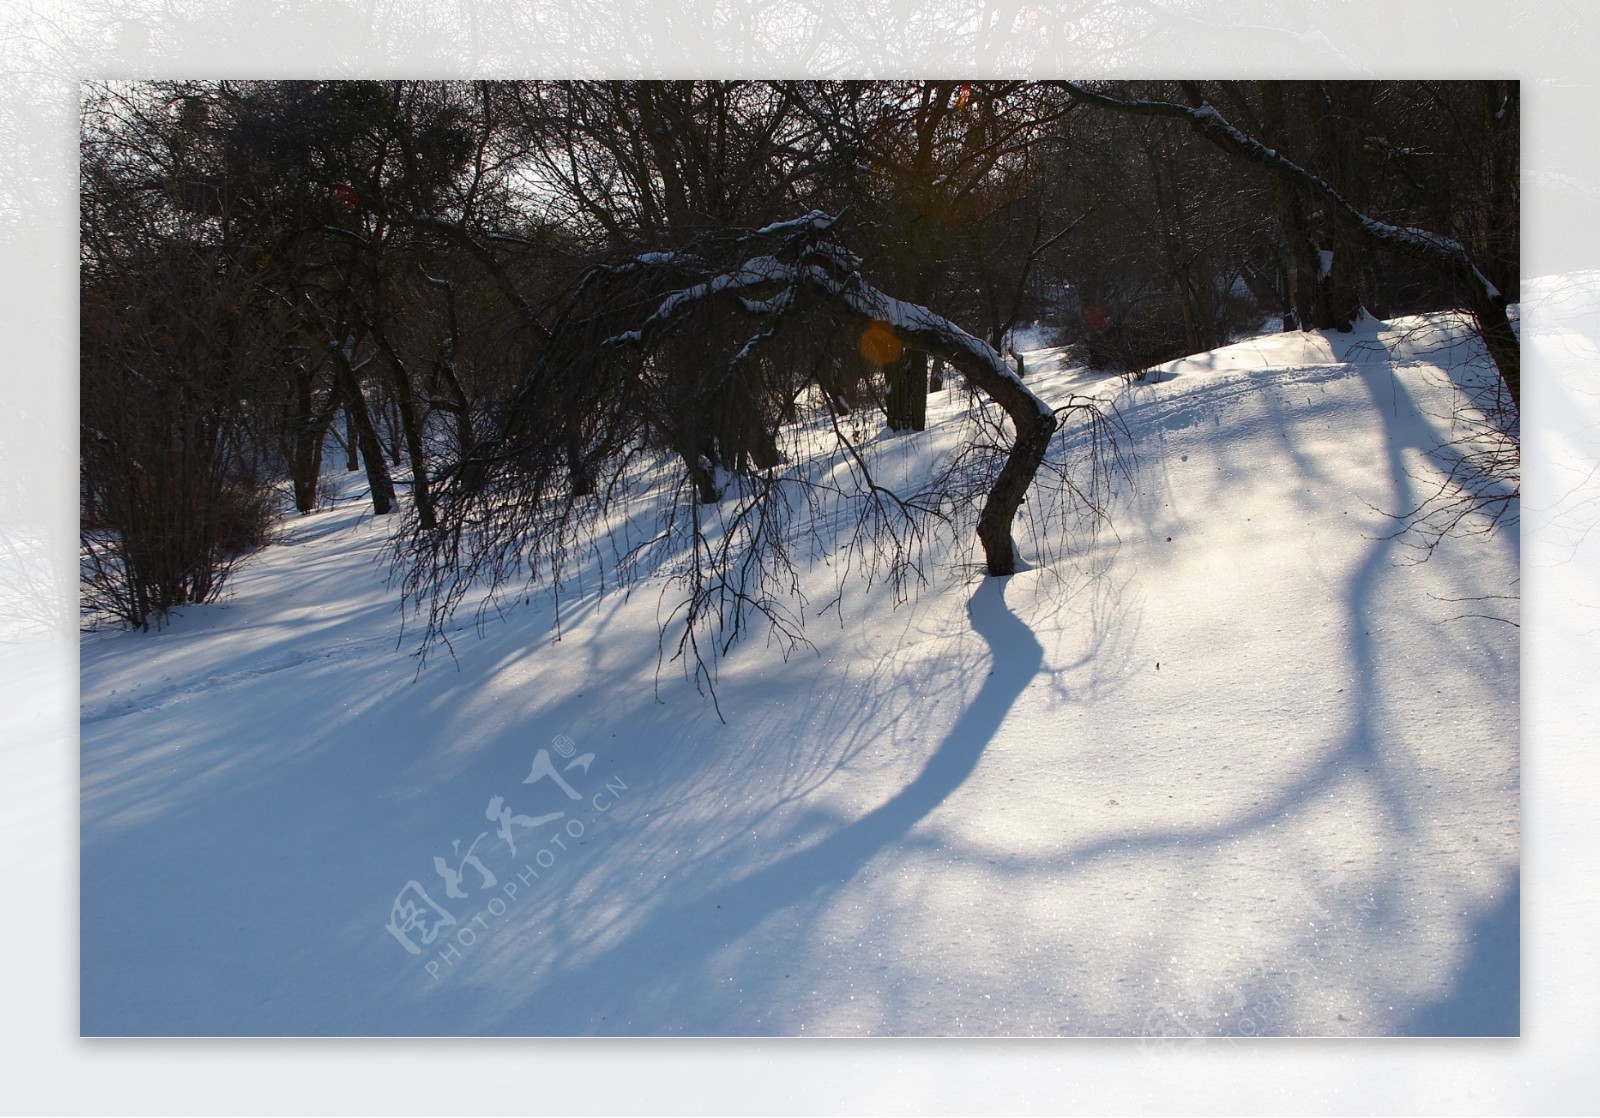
(1239, 765)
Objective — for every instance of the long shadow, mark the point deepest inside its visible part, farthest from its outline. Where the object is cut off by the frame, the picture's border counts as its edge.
(698, 924)
(1366, 702)
(1359, 746)
(1485, 999)
(689, 930)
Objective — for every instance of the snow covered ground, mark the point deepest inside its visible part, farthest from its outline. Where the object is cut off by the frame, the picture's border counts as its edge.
(1239, 764)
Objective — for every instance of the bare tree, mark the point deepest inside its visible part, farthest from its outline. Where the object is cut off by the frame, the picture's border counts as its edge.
(1446, 256)
(767, 314)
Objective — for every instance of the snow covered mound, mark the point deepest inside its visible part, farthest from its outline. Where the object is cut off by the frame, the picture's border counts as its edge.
(1239, 765)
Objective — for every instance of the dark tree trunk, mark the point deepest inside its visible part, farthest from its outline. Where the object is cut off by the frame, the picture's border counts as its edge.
(1502, 248)
(353, 457)
(1306, 296)
(410, 429)
(348, 385)
(906, 391)
(579, 469)
(986, 370)
(1500, 339)
(1445, 256)
(929, 335)
(1341, 143)
(301, 442)
(1310, 295)
(705, 482)
(445, 374)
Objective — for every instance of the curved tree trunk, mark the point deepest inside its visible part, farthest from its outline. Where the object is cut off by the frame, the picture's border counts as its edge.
(822, 271)
(1035, 421)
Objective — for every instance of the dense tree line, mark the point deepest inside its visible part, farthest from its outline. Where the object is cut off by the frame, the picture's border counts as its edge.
(502, 297)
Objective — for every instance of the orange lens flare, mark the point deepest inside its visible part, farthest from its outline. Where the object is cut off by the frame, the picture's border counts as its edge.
(879, 344)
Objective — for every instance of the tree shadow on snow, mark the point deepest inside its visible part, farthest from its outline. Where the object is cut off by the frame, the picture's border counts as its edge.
(691, 930)
(1485, 996)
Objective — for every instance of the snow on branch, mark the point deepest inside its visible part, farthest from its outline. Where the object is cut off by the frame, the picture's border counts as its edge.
(816, 221)
(762, 270)
(819, 268)
(1444, 253)
(973, 358)
(765, 288)
(1446, 256)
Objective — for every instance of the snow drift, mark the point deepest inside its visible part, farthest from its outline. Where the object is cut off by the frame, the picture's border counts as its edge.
(1239, 764)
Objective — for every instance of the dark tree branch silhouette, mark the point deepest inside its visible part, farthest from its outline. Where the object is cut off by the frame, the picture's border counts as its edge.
(769, 316)
(1445, 255)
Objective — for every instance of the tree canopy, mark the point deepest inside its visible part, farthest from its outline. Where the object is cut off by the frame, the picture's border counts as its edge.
(510, 300)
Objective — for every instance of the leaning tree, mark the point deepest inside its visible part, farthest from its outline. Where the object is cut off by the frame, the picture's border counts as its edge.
(772, 319)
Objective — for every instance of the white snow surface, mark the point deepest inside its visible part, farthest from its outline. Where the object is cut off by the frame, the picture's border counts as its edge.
(1238, 765)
